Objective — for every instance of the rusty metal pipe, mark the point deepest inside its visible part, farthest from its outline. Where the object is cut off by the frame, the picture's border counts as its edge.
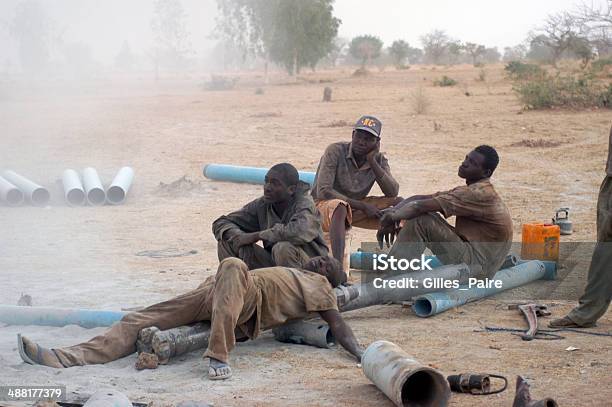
(305, 333)
(404, 380)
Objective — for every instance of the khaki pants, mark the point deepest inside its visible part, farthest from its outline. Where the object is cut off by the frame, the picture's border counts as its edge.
(228, 300)
(433, 232)
(598, 291)
(283, 254)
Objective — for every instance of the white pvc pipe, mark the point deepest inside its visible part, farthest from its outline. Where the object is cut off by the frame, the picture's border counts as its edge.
(93, 187)
(35, 194)
(9, 193)
(120, 186)
(73, 188)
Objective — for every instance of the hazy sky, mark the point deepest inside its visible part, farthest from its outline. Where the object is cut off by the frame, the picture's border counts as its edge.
(104, 25)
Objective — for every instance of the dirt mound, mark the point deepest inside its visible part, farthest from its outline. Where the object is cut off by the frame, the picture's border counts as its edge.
(361, 72)
(537, 143)
(180, 187)
(337, 123)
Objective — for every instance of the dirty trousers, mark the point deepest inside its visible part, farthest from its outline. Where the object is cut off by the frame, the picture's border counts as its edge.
(283, 254)
(598, 291)
(433, 232)
(228, 300)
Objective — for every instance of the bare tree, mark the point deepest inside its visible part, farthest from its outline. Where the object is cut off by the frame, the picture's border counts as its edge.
(558, 35)
(435, 45)
(596, 24)
(474, 50)
(171, 35)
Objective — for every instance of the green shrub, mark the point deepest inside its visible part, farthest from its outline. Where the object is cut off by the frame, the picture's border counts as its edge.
(517, 70)
(445, 81)
(564, 91)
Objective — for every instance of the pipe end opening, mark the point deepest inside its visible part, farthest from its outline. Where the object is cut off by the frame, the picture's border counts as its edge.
(14, 197)
(75, 197)
(96, 197)
(40, 197)
(116, 195)
(424, 388)
(423, 307)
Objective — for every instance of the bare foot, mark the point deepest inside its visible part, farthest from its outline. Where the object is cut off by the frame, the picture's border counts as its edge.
(34, 354)
(218, 370)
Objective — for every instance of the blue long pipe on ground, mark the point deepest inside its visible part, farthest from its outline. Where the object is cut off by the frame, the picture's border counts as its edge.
(50, 316)
(365, 260)
(250, 175)
(430, 304)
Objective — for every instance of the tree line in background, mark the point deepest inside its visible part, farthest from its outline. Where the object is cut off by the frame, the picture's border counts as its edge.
(297, 34)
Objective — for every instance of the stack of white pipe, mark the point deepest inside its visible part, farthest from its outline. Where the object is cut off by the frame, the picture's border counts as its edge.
(13, 182)
(15, 188)
(92, 190)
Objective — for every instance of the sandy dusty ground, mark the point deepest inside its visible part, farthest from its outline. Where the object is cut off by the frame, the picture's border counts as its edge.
(86, 257)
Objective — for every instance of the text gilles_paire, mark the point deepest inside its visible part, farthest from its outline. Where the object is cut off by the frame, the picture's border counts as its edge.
(383, 262)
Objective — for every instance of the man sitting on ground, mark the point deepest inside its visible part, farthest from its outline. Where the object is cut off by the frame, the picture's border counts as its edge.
(482, 234)
(236, 300)
(285, 219)
(345, 176)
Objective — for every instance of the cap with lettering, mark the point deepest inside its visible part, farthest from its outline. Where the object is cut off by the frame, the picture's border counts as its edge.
(370, 124)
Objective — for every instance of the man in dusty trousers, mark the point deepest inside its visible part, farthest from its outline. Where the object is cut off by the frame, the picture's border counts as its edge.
(482, 235)
(345, 176)
(285, 220)
(598, 291)
(236, 301)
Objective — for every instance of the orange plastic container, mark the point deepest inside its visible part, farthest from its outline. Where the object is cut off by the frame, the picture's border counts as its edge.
(540, 242)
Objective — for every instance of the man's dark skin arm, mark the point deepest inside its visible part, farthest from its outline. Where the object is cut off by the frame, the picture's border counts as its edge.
(388, 185)
(342, 332)
(403, 211)
(411, 199)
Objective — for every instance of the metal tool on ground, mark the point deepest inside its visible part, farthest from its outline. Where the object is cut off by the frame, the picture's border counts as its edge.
(522, 398)
(73, 188)
(165, 253)
(531, 313)
(305, 333)
(9, 193)
(476, 384)
(562, 220)
(34, 193)
(119, 188)
(403, 379)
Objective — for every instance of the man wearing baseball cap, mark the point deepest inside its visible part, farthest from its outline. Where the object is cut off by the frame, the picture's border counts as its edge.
(345, 176)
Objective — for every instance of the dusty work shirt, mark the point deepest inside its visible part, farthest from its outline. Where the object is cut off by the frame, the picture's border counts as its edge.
(299, 225)
(482, 219)
(339, 177)
(288, 294)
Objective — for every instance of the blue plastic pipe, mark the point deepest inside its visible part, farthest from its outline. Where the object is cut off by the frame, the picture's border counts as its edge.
(365, 260)
(49, 316)
(250, 175)
(430, 304)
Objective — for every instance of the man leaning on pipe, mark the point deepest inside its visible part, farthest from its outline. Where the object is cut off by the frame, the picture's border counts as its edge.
(236, 301)
(284, 219)
(344, 178)
(482, 234)
(598, 291)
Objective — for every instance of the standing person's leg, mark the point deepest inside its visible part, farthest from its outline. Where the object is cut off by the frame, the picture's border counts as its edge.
(598, 291)
(253, 255)
(433, 232)
(120, 339)
(234, 303)
(285, 254)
